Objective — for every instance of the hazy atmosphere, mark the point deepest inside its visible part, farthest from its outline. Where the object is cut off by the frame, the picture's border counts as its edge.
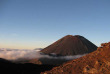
(26, 24)
(55, 36)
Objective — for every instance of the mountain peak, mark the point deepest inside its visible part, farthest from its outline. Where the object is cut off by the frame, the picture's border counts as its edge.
(68, 35)
(73, 36)
(70, 45)
(77, 36)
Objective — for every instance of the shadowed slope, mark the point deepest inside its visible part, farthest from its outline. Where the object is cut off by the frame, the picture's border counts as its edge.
(70, 45)
(97, 62)
(18, 68)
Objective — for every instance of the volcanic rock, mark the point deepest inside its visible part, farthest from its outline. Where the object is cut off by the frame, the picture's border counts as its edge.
(70, 45)
(97, 62)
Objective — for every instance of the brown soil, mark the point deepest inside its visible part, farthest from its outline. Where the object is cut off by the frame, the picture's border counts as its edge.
(97, 62)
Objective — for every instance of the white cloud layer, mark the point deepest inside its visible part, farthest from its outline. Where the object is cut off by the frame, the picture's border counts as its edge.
(12, 54)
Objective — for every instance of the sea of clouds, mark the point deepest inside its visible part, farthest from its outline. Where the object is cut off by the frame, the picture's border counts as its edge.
(15, 54)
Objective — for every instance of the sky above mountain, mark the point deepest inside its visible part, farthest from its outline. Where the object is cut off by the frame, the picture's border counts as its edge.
(29, 24)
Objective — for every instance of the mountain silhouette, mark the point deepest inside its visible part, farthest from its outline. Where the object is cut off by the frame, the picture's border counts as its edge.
(25, 68)
(70, 45)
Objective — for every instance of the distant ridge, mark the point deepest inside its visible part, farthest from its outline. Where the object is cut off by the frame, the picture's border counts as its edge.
(70, 45)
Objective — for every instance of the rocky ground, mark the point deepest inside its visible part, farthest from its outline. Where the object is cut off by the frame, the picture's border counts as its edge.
(97, 62)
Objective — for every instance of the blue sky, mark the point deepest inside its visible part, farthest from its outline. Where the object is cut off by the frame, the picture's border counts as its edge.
(29, 24)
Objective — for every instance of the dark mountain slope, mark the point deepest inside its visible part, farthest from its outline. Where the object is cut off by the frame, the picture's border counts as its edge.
(70, 45)
(26, 68)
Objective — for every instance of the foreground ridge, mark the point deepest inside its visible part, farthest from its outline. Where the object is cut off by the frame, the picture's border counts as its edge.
(97, 62)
